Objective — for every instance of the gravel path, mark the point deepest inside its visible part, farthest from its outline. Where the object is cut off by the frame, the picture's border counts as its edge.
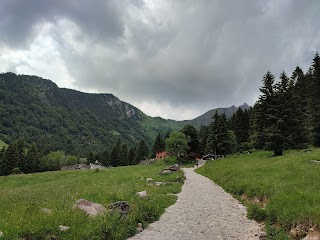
(203, 211)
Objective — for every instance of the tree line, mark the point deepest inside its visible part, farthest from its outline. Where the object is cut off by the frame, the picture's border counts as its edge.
(120, 154)
(16, 159)
(286, 116)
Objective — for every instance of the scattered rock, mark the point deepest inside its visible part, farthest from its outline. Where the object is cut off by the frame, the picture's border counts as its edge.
(174, 167)
(139, 227)
(142, 194)
(63, 228)
(76, 167)
(165, 171)
(51, 237)
(298, 231)
(149, 180)
(46, 210)
(122, 206)
(262, 235)
(1, 234)
(312, 236)
(158, 183)
(170, 169)
(142, 178)
(92, 209)
(315, 161)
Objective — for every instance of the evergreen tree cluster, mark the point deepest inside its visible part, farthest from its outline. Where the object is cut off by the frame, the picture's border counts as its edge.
(217, 138)
(120, 154)
(287, 114)
(14, 158)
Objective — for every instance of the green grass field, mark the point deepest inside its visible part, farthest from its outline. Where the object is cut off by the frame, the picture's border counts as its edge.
(288, 185)
(23, 196)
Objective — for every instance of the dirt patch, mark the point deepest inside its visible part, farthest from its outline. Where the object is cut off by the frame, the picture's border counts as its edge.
(261, 202)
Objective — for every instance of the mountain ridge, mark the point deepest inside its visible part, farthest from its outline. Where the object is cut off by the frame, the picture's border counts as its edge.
(60, 118)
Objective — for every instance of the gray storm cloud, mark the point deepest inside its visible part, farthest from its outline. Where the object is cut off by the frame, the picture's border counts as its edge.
(173, 58)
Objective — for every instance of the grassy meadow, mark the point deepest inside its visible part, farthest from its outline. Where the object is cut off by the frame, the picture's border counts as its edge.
(283, 191)
(22, 198)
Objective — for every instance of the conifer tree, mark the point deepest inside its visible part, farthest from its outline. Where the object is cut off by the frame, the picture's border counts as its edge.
(212, 140)
(315, 99)
(221, 140)
(158, 145)
(203, 136)
(115, 153)
(192, 133)
(31, 163)
(141, 151)
(264, 112)
(20, 154)
(240, 125)
(131, 155)
(104, 158)
(91, 158)
(8, 160)
(124, 154)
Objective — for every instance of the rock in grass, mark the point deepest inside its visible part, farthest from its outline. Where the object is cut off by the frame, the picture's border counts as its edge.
(63, 228)
(315, 161)
(46, 210)
(149, 180)
(122, 206)
(139, 227)
(1, 234)
(166, 171)
(142, 194)
(170, 169)
(158, 183)
(174, 168)
(92, 209)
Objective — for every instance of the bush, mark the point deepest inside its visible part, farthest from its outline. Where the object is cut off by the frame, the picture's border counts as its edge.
(16, 171)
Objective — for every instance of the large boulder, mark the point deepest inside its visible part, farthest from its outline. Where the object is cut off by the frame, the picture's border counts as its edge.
(92, 209)
(122, 206)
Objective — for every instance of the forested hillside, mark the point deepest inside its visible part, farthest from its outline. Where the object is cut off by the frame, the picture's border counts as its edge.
(36, 110)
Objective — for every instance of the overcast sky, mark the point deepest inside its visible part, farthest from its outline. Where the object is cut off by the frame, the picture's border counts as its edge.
(170, 58)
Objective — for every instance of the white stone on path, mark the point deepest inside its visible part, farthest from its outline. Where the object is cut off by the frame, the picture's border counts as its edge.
(203, 211)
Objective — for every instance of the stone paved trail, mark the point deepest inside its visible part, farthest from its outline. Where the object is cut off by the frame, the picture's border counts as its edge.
(203, 211)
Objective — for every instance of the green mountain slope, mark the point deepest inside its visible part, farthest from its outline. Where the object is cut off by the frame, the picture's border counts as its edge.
(37, 110)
